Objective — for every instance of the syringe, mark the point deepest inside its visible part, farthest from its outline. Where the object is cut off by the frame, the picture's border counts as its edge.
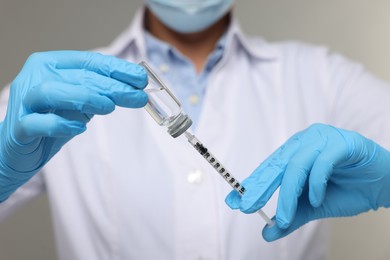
(217, 165)
(165, 109)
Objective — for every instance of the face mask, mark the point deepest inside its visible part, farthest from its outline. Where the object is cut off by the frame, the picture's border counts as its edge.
(188, 16)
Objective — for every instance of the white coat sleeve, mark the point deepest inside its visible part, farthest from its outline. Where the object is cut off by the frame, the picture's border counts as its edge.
(29, 190)
(361, 101)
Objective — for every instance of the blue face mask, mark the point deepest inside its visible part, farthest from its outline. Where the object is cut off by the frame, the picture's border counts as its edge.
(188, 16)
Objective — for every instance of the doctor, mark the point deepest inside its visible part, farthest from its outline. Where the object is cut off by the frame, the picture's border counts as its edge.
(124, 189)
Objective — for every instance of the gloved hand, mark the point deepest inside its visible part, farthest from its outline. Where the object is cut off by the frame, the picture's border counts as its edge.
(52, 99)
(322, 172)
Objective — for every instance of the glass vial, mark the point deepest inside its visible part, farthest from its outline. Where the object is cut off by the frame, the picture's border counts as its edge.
(163, 106)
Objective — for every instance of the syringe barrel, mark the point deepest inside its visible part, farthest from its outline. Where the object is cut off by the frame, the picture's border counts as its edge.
(217, 165)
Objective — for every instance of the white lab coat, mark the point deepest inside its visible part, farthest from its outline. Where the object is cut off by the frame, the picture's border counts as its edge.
(125, 189)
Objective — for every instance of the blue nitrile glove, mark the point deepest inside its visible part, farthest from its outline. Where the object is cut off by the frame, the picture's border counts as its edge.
(51, 101)
(322, 172)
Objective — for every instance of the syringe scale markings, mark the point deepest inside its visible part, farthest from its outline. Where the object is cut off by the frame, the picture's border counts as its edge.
(221, 170)
(217, 165)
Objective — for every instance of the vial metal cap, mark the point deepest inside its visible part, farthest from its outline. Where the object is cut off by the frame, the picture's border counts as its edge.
(180, 125)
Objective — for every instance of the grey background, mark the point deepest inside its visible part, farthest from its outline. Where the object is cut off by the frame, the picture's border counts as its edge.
(357, 28)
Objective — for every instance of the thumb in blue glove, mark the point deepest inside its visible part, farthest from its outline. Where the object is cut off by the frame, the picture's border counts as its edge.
(322, 172)
(52, 99)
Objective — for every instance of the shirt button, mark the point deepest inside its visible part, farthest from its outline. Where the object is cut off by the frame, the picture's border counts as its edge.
(195, 177)
(164, 68)
(194, 99)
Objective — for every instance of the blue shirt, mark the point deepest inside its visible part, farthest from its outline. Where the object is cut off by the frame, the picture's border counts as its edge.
(180, 75)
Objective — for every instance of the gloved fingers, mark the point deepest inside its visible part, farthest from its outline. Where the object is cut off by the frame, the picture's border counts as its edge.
(264, 181)
(62, 96)
(36, 125)
(74, 115)
(304, 214)
(122, 94)
(261, 184)
(338, 202)
(293, 183)
(233, 199)
(318, 181)
(334, 152)
(274, 232)
(257, 194)
(105, 65)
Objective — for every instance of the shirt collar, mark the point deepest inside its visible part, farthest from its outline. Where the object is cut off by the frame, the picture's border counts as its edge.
(134, 38)
(256, 47)
(166, 51)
